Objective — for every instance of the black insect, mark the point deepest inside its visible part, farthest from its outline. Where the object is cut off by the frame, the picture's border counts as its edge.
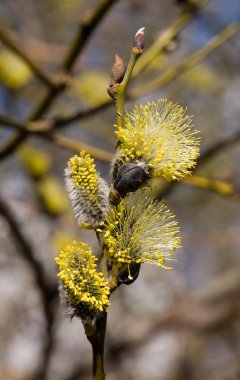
(129, 178)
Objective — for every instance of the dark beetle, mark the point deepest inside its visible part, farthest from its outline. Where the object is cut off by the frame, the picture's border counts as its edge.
(129, 178)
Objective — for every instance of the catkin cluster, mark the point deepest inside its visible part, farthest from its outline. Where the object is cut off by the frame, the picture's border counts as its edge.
(155, 140)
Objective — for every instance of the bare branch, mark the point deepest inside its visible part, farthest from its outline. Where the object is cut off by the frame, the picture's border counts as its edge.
(9, 41)
(45, 131)
(87, 27)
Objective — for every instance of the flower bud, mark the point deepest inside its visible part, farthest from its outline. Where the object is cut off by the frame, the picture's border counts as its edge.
(139, 40)
(118, 71)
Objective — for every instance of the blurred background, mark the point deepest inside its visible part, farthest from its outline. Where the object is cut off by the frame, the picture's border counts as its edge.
(55, 60)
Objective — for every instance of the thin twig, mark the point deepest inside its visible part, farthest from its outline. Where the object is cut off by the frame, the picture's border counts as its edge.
(118, 90)
(60, 122)
(44, 130)
(209, 153)
(88, 25)
(223, 188)
(7, 39)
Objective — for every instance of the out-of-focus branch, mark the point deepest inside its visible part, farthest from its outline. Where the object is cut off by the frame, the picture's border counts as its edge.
(162, 42)
(76, 47)
(224, 188)
(205, 156)
(157, 46)
(218, 147)
(40, 51)
(176, 70)
(25, 247)
(9, 41)
(88, 25)
(44, 130)
(76, 146)
(60, 122)
(48, 292)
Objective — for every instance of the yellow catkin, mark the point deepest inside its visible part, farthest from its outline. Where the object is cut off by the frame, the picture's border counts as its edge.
(84, 285)
(88, 192)
(140, 230)
(84, 174)
(162, 136)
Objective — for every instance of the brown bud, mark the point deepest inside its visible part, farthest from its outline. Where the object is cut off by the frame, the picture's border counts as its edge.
(118, 71)
(139, 40)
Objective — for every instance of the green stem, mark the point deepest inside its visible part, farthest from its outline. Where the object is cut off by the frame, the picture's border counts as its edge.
(97, 341)
(121, 88)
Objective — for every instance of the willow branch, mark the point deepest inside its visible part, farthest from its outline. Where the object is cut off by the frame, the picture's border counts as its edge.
(97, 341)
(118, 86)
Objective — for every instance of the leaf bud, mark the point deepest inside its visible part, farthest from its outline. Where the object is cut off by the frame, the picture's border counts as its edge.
(118, 71)
(139, 40)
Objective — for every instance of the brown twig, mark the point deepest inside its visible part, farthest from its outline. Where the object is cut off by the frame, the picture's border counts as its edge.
(9, 41)
(60, 122)
(44, 130)
(88, 25)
